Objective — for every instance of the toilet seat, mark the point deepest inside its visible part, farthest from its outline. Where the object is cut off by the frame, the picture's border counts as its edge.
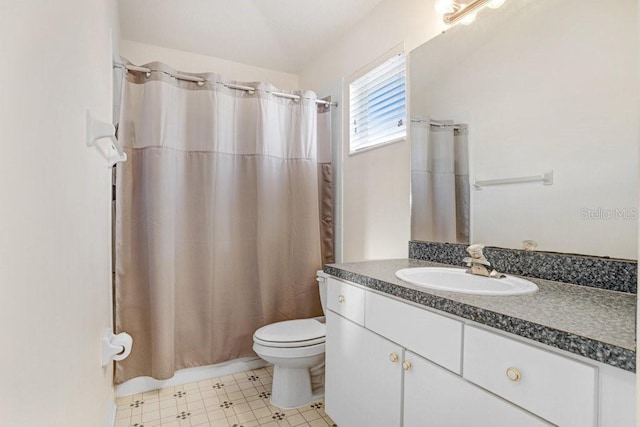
(291, 334)
(289, 352)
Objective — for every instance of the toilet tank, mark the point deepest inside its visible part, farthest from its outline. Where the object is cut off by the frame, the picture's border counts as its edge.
(322, 279)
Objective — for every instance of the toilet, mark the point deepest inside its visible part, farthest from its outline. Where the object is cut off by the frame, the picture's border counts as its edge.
(295, 348)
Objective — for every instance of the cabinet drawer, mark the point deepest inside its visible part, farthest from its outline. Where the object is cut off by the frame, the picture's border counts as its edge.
(434, 337)
(436, 397)
(346, 300)
(558, 389)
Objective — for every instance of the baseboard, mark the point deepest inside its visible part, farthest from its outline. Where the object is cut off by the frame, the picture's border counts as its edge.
(189, 375)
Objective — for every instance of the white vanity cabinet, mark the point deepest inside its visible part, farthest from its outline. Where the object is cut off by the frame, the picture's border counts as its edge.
(390, 363)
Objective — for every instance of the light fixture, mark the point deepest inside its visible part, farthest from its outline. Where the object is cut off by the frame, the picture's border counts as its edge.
(444, 6)
(453, 11)
(468, 19)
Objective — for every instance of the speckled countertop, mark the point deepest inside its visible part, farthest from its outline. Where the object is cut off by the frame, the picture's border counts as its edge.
(594, 323)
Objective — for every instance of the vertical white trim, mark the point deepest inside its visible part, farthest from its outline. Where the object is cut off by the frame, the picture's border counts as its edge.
(110, 420)
(638, 238)
(336, 142)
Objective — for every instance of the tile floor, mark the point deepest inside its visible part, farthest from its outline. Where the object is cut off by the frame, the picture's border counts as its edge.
(239, 400)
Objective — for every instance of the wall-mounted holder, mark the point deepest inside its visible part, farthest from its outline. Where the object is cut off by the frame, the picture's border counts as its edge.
(98, 130)
(546, 179)
(115, 347)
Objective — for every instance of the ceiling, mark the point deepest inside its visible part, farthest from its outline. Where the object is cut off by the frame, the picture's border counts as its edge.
(281, 35)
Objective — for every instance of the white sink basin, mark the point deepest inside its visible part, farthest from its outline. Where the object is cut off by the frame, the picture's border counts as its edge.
(457, 280)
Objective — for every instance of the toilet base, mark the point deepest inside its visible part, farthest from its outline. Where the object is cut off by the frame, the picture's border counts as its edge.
(291, 388)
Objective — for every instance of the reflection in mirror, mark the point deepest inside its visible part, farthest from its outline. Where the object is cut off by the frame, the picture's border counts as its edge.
(440, 175)
(539, 86)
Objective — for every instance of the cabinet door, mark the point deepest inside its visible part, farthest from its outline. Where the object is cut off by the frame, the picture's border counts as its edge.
(362, 384)
(617, 397)
(435, 397)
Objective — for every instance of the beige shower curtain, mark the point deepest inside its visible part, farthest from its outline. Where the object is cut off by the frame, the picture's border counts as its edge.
(440, 205)
(217, 218)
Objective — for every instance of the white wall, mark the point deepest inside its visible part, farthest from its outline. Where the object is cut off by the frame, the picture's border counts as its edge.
(544, 85)
(141, 53)
(376, 183)
(389, 24)
(55, 274)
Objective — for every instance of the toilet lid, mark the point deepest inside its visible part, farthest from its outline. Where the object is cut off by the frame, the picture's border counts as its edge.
(299, 332)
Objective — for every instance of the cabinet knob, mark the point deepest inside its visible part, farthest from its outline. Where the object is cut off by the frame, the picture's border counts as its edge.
(340, 298)
(393, 357)
(513, 374)
(406, 365)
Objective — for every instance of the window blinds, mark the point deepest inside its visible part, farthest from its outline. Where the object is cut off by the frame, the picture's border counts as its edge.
(378, 105)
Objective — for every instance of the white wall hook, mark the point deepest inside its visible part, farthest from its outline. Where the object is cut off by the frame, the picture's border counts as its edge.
(97, 130)
(115, 347)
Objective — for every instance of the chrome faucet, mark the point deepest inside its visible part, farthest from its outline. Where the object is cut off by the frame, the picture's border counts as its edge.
(478, 264)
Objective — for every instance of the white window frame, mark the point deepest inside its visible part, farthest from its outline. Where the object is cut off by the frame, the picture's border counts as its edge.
(400, 49)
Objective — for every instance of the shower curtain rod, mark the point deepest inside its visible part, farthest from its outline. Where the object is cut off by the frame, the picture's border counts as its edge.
(200, 81)
(435, 123)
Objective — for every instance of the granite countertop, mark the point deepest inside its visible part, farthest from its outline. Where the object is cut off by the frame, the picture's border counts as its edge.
(594, 323)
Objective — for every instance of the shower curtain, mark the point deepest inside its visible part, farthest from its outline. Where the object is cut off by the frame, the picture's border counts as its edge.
(439, 181)
(218, 223)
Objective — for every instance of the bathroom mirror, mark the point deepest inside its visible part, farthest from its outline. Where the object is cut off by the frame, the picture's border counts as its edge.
(538, 87)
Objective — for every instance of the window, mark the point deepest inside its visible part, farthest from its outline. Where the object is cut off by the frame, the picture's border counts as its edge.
(378, 104)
